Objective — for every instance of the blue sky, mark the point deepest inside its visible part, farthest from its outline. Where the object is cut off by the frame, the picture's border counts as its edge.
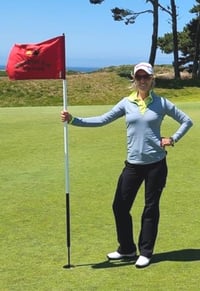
(93, 38)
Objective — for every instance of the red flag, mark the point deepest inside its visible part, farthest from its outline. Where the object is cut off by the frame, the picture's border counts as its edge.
(45, 60)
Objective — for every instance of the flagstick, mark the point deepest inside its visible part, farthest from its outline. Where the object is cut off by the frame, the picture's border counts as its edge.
(66, 152)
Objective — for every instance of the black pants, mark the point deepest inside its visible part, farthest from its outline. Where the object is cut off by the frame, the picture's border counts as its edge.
(154, 176)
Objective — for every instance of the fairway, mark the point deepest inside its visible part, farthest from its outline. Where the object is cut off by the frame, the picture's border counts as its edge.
(32, 218)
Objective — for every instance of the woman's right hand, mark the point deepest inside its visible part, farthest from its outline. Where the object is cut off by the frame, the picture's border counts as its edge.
(66, 116)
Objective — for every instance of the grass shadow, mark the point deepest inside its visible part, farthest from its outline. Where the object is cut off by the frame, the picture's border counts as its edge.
(113, 264)
(185, 255)
(109, 264)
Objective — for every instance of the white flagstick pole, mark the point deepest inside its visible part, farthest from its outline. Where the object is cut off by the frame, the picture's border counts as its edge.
(66, 137)
(66, 152)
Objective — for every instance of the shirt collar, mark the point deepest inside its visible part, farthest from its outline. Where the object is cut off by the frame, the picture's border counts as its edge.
(134, 98)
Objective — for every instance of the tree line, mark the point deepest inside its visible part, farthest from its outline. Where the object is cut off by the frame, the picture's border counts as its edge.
(185, 45)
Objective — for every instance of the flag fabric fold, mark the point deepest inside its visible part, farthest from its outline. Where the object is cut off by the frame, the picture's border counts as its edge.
(45, 60)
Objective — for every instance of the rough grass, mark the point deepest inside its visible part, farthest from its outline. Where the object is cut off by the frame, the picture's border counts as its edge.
(106, 86)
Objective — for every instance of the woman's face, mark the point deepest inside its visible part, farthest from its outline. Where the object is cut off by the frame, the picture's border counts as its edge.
(143, 81)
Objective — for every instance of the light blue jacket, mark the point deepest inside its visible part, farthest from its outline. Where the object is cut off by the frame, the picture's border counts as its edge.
(143, 130)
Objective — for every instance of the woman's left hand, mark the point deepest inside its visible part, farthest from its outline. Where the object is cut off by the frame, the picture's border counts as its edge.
(166, 141)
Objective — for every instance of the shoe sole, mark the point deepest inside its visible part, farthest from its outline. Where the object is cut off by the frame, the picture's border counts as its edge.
(142, 266)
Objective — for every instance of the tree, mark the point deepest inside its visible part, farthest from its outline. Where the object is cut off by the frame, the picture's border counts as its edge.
(188, 44)
(129, 17)
(154, 33)
(171, 10)
(175, 39)
(96, 1)
(196, 62)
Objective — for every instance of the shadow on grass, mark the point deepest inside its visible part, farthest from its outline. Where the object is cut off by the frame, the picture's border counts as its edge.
(113, 264)
(186, 255)
(109, 264)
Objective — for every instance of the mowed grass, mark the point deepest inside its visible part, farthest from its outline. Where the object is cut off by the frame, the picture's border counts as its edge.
(33, 231)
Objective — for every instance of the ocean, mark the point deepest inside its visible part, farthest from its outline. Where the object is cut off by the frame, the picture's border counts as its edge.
(83, 69)
(77, 69)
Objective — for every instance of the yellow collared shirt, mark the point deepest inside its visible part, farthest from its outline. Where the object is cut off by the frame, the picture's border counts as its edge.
(142, 104)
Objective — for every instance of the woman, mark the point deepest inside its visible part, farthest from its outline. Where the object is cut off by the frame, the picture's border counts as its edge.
(146, 161)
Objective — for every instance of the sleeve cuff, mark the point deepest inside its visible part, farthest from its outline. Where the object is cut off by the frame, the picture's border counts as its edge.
(71, 121)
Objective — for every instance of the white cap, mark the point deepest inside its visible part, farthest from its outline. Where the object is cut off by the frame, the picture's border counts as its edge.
(145, 67)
